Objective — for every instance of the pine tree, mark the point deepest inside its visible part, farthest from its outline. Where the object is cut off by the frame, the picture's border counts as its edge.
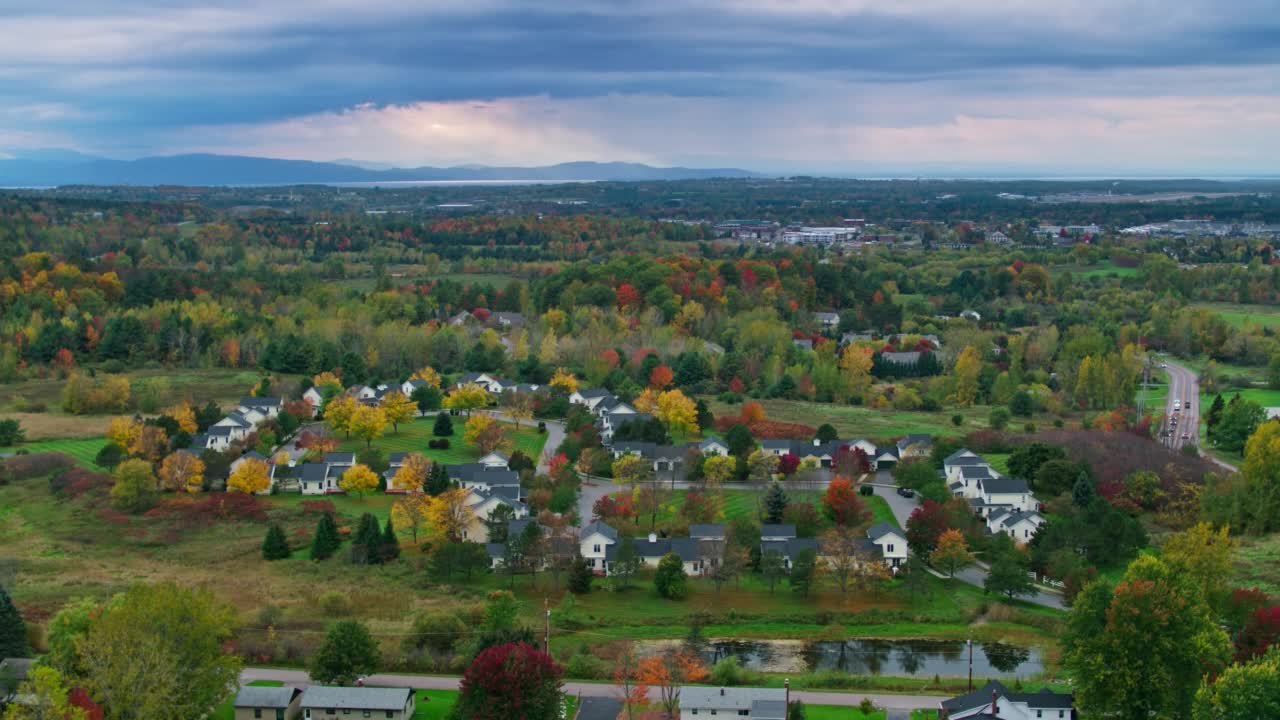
(13, 632)
(326, 541)
(275, 546)
(368, 538)
(775, 503)
(437, 480)
(443, 426)
(580, 576)
(390, 549)
(1215, 414)
(1082, 493)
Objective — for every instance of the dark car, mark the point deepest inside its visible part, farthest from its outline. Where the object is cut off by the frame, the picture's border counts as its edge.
(906, 492)
(866, 490)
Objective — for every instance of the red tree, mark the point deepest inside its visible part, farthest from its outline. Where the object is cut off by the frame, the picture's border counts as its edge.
(842, 505)
(788, 464)
(78, 697)
(480, 314)
(661, 377)
(1261, 631)
(514, 680)
(850, 461)
(925, 526)
(613, 506)
(752, 413)
(610, 358)
(628, 296)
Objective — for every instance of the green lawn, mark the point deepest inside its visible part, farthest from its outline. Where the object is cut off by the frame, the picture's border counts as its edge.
(349, 505)
(840, 712)
(84, 450)
(880, 511)
(854, 422)
(999, 461)
(1257, 563)
(414, 436)
(1106, 269)
(1239, 315)
(434, 704)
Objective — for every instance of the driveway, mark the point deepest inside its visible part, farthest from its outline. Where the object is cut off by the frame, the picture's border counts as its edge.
(299, 678)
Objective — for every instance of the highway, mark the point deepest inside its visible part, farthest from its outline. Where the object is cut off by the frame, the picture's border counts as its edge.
(1184, 388)
(299, 678)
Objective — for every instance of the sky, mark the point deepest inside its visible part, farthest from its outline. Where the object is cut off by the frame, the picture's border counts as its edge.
(839, 87)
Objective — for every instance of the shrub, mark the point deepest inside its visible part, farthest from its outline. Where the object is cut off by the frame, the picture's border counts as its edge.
(109, 456)
(866, 706)
(335, 604)
(728, 671)
(74, 482)
(32, 465)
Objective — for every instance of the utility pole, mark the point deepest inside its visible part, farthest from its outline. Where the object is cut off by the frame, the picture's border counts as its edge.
(546, 638)
(970, 662)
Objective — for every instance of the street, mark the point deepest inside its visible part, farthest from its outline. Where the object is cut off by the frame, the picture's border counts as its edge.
(299, 678)
(1184, 388)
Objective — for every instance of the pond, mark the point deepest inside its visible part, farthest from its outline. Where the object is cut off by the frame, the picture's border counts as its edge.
(894, 658)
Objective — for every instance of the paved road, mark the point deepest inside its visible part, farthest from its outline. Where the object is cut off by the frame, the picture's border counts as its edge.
(1184, 387)
(555, 436)
(299, 678)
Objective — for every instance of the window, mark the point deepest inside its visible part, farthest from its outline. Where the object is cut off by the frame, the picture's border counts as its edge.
(1039, 713)
(391, 713)
(595, 548)
(888, 548)
(368, 713)
(346, 712)
(591, 562)
(257, 712)
(280, 714)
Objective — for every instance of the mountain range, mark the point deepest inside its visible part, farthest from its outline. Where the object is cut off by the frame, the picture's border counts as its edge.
(63, 167)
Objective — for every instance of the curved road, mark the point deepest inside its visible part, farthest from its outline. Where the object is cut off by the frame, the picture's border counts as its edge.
(299, 678)
(1184, 388)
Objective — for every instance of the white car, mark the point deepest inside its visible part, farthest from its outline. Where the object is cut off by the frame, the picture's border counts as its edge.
(1177, 404)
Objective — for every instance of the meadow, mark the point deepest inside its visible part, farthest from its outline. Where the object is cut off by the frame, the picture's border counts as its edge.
(413, 437)
(859, 421)
(1239, 315)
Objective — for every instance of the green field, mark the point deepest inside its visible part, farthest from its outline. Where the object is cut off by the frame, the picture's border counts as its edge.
(1239, 315)
(854, 422)
(840, 712)
(84, 451)
(1096, 271)
(414, 436)
(1257, 563)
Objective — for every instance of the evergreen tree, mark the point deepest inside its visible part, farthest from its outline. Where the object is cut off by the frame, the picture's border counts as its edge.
(443, 426)
(368, 538)
(326, 541)
(802, 571)
(437, 480)
(626, 562)
(275, 546)
(827, 432)
(348, 652)
(1215, 414)
(1082, 493)
(390, 549)
(669, 579)
(775, 503)
(13, 632)
(705, 419)
(580, 576)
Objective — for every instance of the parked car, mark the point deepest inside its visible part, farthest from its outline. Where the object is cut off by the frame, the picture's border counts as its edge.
(866, 490)
(906, 492)
(1186, 436)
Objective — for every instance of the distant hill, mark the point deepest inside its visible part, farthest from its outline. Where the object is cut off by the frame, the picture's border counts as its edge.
(61, 167)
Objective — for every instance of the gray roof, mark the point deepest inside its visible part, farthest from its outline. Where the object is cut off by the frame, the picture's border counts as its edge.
(599, 527)
(238, 419)
(1046, 698)
(708, 530)
(918, 439)
(728, 698)
(251, 696)
(962, 452)
(200, 441)
(656, 548)
(253, 455)
(260, 402)
(356, 698)
(966, 461)
(975, 699)
(975, 472)
(340, 458)
(599, 708)
(220, 430)
(687, 548)
(1003, 484)
(313, 472)
(783, 530)
(901, 358)
(768, 710)
(20, 667)
(777, 444)
(881, 529)
(789, 548)
(1017, 517)
(594, 393)
(396, 458)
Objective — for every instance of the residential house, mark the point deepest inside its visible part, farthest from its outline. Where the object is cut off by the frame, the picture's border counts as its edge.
(595, 542)
(664, 458)
(1003, 492)
(590, 397)
(251, 455)
(315, 478)
(204, 441)
(696, 559)
(852, 337)
(508, 319)
(884, 458)
(17, 669)
(901, 358)
(617, 416)
(803, 343)
(827, 320)
(994, 700)
(890, 542)
(320, 702)
(491, 383)
(1019, 525)
(220, 437)
(782, 539)
(713, 445)
(408, 386)
(483, 503)
(268, 406)
(915, 446)
(462, 318)
(267, 703)
(315, 399)
(962, 482)
(733, 702)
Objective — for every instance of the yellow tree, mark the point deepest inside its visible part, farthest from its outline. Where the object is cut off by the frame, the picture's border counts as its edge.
(520, 352)
(185, 416)
(631, 470)
(150, 443)
(547, 349)
(952, 552)
(555, 318)
(339, 411)
(855, 361)
(398, 408)
(368, 423)
(448, 514)
(122, 432)
(411, 513)
(326, 379)
(678, 412)
(467, 398)
(719, 469)
(412, 473)
(358, 480)
(251, 476)
(182, 472)
(646, 401)
(428, 375)
(565, 380)
(519, 406)
(964, 378)
(483, 432)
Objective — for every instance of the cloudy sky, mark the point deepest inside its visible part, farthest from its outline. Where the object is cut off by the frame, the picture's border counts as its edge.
(832, 86)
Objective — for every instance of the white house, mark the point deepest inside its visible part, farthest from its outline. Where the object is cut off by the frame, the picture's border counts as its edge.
(827, 319)
(268, 407)
(594, 542)
(1005, 492)
(994, 700)
(891, 541)
(491, 383)
(317, 479)
(483, 503)
(713, 445)
(314, 398)
(1021, 526)
(591, 397)
(733, 702)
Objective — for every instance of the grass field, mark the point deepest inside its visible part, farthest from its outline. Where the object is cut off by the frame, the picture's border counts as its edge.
(1239, 315)
(853, 422)
(84, 451)
(1096, 271)
(1257, 563)
(414, 436)
(840, 712)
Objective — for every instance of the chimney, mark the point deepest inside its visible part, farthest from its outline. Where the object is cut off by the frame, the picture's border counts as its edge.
(653, 537)
(721, 692)
(816, 442)
(786, 685)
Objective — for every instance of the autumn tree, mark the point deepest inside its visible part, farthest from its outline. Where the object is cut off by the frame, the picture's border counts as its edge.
(427, 375)
(46, 695)
(719, 469)
(397, 408)
(1242, 692)
(964, 378)
(678, 412)
(411, 476)
(1203, 556)
(137, 642)
(564, 380)
(483, 432)
(467, 398)
(412, 513)
(512, 680)
(844, 556)
(631, 470)
(856, 362)
(761, 466)
(667, 673)
(251, 476)
(841, 504)
(952, 553)
(182, 471)
(660, 377)
(134, 490)
(448, 515)
(339, 412)
(368, 423)
(185, 416)
(358, 480)
(349, 651)
(519, 407)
